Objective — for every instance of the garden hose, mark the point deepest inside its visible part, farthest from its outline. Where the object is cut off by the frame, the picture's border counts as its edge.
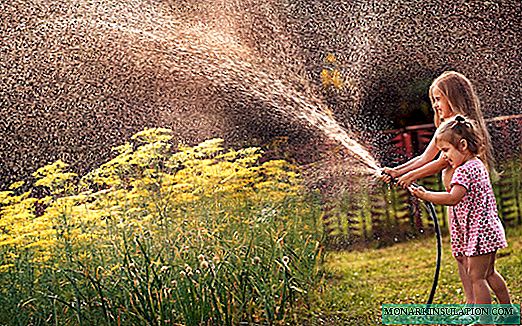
(433, 216)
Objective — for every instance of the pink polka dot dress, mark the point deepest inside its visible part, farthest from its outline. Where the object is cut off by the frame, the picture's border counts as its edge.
(475, 226)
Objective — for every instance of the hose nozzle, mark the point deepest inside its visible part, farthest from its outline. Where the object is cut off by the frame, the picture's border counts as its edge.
(394, 181)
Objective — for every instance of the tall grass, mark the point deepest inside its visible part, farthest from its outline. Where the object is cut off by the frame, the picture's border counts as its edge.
(160, 235)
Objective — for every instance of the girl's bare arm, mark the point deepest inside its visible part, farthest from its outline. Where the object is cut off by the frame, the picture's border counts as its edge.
(427, 156)
(451, 198)
(426, 170)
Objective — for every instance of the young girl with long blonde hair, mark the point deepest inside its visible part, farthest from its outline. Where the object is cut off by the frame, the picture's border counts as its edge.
(451, 94)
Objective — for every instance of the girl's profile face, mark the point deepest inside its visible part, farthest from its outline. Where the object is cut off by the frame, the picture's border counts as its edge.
(451, 154)
(441, 105)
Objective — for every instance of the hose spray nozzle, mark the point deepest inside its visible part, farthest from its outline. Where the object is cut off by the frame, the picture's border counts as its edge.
(393, 181)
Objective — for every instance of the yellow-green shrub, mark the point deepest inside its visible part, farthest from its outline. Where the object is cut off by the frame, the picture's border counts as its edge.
(147, 216)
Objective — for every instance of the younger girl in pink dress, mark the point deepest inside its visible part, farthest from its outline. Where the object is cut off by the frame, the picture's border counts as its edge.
(475, 227)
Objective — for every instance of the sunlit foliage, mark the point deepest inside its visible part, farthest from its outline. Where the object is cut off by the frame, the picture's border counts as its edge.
(331, 74)
(160, 234)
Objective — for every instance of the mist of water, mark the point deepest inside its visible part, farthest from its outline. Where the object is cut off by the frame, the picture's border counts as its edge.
(222, 60)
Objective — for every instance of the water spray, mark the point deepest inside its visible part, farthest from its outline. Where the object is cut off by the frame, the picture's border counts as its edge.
(433, 215)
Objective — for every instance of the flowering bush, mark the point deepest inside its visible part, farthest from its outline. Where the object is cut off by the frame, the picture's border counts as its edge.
(161, 234)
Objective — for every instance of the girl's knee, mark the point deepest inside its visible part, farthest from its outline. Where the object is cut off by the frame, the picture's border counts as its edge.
(477, 276)
(477, 273)
(479, 267)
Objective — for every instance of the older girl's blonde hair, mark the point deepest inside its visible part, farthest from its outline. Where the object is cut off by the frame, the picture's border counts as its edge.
(463, 100)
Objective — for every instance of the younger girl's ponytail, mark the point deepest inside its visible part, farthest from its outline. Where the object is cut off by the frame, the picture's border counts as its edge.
(459, 128)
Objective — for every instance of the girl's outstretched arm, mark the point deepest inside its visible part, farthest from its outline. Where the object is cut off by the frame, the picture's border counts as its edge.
(426, 170)
(451, 198)
(428, 155)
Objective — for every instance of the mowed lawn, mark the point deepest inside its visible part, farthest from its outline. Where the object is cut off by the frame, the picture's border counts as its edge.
(358, 282)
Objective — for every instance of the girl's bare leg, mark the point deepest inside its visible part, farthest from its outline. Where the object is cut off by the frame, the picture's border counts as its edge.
(496, 282)
(462, 263)
(478, 272)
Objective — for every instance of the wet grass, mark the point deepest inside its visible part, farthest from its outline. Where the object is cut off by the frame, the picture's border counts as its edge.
(357, 283)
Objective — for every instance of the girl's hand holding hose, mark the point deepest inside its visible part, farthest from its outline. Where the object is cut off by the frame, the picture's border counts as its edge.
(406, 180)
(388, 174)
(417, 191)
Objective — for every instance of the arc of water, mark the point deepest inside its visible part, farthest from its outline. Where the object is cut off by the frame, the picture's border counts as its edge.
(220, 61)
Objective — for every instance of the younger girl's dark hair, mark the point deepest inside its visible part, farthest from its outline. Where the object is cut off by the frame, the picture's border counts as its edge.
(454, 130)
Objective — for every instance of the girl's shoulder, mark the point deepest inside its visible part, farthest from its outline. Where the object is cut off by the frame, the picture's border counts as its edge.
(475, 165)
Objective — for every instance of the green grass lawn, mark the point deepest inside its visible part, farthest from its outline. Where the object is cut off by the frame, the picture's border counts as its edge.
(358, 282)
